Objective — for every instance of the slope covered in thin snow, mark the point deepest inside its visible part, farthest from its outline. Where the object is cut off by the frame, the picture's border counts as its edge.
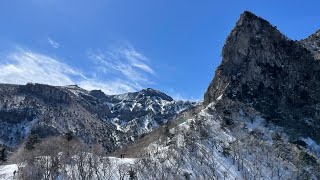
(7, 172)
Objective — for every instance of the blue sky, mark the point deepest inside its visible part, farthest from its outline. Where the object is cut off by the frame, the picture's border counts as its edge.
(124, 45)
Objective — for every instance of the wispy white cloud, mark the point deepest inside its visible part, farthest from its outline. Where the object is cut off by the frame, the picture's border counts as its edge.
(124, 62)
(137, 60)
(181, 96)
(53, 43)
(109, 87)
(116, 72)
(22, 66)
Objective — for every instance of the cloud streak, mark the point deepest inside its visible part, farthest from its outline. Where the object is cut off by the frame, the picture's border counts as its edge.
(53, 43)
(116, 71)
(124, 62)
(137, 60)
(24, 66)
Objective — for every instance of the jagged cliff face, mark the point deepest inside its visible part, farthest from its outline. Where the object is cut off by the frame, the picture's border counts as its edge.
(263, 69)
(112, 121)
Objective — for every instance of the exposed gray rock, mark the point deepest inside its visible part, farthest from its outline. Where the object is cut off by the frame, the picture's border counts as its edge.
(263, 69)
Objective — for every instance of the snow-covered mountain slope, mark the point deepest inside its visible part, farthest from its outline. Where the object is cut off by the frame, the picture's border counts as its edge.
(209, 143)
(7, 171)
(112, 120)
(227, 143)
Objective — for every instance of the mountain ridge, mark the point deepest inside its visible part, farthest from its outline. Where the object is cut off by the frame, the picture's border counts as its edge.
(112, 120)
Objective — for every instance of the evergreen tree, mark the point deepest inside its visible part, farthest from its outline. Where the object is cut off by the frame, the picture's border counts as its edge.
(132, 174)
(167, 132)
(192, 126)
(69, 136)
(3, 154)
(33, 139)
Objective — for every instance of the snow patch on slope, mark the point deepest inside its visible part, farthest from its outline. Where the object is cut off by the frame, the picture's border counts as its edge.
(7, 171)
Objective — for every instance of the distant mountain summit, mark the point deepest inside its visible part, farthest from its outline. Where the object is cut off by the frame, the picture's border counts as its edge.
(280, 78)
(110, 120)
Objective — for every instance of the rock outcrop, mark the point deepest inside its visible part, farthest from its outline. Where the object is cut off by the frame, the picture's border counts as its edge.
(263, 69)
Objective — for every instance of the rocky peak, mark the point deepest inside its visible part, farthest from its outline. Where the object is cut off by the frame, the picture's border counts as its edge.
(251, 33)
(149, 92)
(264, 69)
(251, 40)
(48, 93)
(97, 94)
